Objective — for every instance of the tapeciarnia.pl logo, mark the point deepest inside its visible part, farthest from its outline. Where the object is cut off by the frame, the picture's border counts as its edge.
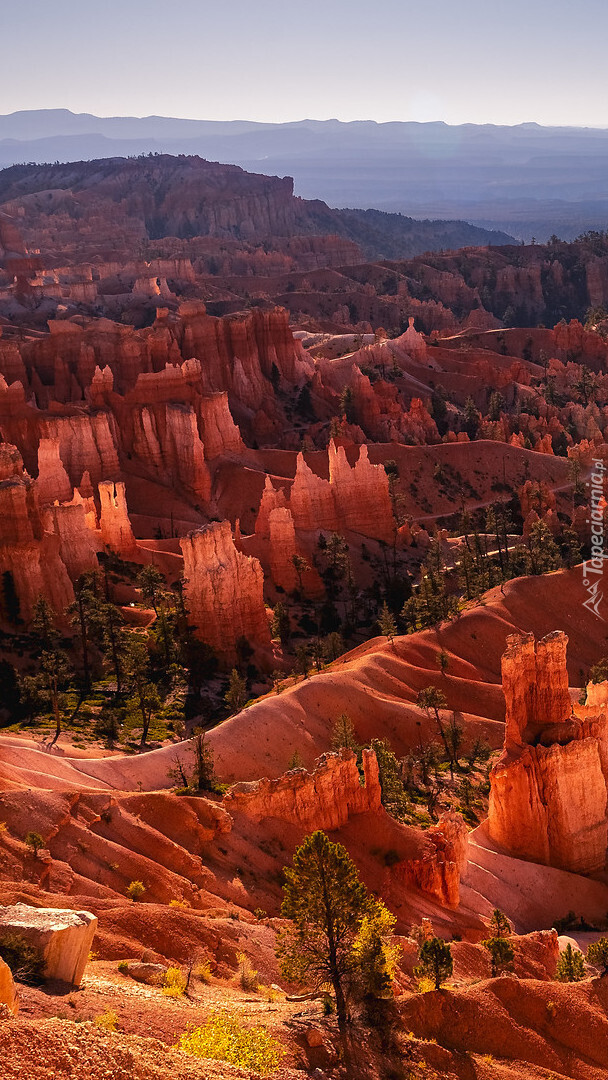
(593, 570)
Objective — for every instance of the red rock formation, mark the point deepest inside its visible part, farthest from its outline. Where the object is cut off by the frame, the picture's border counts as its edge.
(27, 552)
(116, 532)
(220, 433)
(439, 869)
(271, 500)
(78, 544)
(549, 790)
(535, 685)
(282, 546)
(53, 481)
(86, 444)
(323, 799)
(168, 440)
(311, 500)
(224, 591)
(536, 496)
(329, 796)
(356, 498)
(361, 494)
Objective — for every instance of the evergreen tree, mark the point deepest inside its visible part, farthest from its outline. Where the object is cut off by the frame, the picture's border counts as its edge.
(236, 694)
(343, 735)
(472, 419)
(144, 699)
(499, 924)
(501, 954)
(443, 661)
(327, 942)
(280, 623)
(204, 767)
(597, 954)
(570, 965)
(435, 961)
(151, 582)
(386, 622)
(432, 700)
(394, 797)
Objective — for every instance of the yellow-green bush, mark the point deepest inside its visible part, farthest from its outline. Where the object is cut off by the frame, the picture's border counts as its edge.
(135, 890)
(223, 1038)
(107, 1020)
(248, 976)
(174, 982)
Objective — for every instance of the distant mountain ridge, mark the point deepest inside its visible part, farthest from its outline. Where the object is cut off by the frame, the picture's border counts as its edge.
(527, 179)
(155, 196)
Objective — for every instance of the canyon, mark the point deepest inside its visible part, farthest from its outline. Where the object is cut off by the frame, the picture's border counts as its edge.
(291, 540)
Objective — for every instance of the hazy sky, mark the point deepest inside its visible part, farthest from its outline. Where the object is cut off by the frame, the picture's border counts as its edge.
(501, 61)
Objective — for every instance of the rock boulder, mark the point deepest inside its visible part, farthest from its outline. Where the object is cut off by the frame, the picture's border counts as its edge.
(64, 938)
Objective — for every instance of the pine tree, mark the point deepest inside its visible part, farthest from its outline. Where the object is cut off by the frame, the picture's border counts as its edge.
(280, 623)
(443, 661)
(435, 961)
(432, 700)
(326, 942)
(204, 768)
(570, 965)
(386, 622)
(499, 924)
(597, 954)
(501, 954)
(144, 699)
(236, 694)
(343, 735)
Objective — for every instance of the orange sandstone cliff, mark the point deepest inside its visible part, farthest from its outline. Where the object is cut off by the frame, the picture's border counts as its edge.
(549, 790)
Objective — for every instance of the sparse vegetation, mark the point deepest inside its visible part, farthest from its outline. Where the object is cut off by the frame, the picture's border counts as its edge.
(174, 982)
(248, 976)
(570, 965)
(224, 1037)
(35, 842)
(24, 960)
(136, 890)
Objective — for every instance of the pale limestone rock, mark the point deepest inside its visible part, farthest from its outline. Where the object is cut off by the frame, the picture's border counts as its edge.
(63, 937)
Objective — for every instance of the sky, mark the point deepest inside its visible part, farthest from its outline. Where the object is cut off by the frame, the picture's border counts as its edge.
(477, 61)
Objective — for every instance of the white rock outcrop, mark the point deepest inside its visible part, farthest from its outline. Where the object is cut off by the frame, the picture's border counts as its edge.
(63, 938)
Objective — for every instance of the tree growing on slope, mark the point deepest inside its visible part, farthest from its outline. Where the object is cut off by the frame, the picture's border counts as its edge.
(338, 933)
(435, 961)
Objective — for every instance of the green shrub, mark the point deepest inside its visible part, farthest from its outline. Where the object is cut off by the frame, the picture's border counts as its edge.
(24, 960)
(501, 954)
(597, 954)
(436, 963)
(223, 1038)
(34, 841)
(136, 890)
(174, 982)
(248, 976)
(107, 1020)
(570, 965)
(123, 967)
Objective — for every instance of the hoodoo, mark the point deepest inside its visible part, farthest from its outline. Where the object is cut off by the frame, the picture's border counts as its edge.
(224, 591)
(549, 790)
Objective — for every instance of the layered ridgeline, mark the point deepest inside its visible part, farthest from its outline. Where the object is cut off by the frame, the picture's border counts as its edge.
(120, 236)
(524, 179)
(154, 196)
